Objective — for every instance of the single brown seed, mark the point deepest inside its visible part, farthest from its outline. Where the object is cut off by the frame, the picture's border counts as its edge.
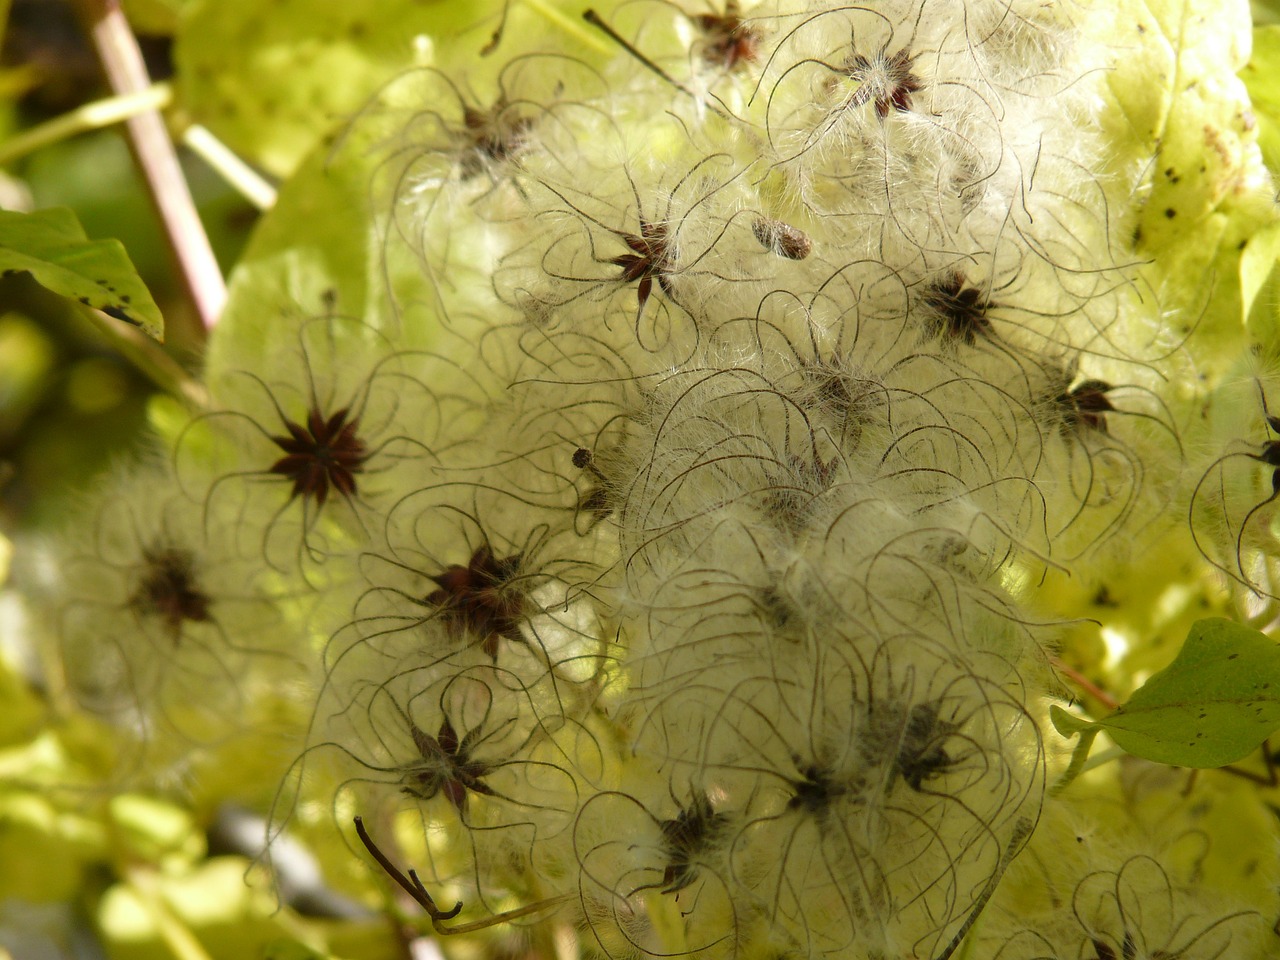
(781, 238)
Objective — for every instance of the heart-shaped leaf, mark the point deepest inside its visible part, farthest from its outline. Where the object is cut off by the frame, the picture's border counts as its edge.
(1217, 701)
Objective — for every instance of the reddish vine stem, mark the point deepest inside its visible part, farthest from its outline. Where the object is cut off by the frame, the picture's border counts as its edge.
(1084, 683)
(153, 151)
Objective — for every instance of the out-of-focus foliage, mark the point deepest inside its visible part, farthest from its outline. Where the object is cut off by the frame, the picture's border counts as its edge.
(222, 56)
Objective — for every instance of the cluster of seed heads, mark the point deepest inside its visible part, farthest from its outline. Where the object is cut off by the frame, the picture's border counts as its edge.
(666, 554)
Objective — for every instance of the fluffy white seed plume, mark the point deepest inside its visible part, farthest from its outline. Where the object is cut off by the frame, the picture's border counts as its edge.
(674, 531)
(794, 386)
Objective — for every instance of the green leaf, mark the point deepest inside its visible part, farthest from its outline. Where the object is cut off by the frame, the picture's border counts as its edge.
(32, 836)
(53, 247)
(1262, 78)
(315, 250)
(1217, 701)
(1257, 262)
(1068, 724)
(154, 831)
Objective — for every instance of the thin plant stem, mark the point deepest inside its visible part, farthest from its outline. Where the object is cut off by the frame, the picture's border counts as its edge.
(239, 175)
(150, 359)
(600, 24)
(154, 153)
(556, 18)
(181, 942)
(1084, 683)
(90, 116)
(1103, 757)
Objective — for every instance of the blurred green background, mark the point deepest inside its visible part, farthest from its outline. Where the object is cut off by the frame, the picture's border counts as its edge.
(69, 402)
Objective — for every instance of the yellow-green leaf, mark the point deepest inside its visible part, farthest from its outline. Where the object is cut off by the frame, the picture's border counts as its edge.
(1262, 78)
(1257, 263)
(272, 79)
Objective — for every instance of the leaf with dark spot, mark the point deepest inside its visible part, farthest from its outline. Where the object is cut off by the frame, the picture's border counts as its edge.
(53, 247)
